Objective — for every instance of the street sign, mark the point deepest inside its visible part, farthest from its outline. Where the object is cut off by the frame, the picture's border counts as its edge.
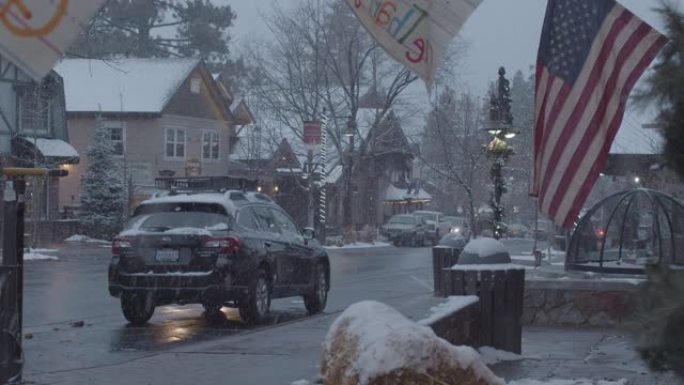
(35, 33)
(312, 133)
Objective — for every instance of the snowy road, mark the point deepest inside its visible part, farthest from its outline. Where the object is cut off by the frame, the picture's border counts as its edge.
(74, 288)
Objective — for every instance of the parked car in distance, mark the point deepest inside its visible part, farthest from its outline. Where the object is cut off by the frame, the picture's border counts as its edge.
(229, 248)
(436, 226)
(457, 225)
(517, 230)
(405, 229)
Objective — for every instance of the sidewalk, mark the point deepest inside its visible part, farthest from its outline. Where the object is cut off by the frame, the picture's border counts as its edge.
(550, 353)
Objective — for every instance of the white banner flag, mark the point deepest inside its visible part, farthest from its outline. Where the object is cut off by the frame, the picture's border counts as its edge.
(35, 33)
(414, 32)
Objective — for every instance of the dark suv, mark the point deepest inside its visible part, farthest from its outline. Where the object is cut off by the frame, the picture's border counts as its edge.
(231, 248)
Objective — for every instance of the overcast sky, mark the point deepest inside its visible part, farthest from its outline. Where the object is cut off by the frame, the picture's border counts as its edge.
(500, 32)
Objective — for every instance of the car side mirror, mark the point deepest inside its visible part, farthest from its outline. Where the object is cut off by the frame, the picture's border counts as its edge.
(308, 233)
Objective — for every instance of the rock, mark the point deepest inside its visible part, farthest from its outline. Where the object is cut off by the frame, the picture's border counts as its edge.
(373, 344)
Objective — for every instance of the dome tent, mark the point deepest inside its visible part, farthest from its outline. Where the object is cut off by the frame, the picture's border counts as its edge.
(627, 231)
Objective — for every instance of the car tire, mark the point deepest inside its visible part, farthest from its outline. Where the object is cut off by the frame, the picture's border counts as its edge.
(255, 309)
(396, 242)
(316, 300)
(137, 308)
(414, 241)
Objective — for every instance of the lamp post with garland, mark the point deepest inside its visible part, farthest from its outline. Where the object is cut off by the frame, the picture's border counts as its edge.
(501, 129)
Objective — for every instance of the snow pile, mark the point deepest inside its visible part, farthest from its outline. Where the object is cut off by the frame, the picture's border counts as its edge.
(488, 266)
(444, 309)
(373, 344)
(32, 256)
(79, 238)
(301, 382)
(359, 245)
(568, 382)
(492, 356)
(484, 247)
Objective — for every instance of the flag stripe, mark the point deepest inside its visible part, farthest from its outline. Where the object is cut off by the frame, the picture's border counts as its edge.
(563, 127)
(589, 172)
(611, 95)
(541, 83)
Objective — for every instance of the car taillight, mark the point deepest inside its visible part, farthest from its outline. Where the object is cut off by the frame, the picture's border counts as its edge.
(120, 244)
(224, 245)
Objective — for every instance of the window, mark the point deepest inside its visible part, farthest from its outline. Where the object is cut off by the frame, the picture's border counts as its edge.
(116, 135)
(175, 143)
(210, 145)
(266, 220)
(284, 223)
(195, 85)
(246, 219)
(34, 106)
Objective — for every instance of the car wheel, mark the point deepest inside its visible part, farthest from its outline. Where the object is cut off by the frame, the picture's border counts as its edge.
(138, 308)
(316, 300)
(258, 304)
(396, 242)
(414, 241)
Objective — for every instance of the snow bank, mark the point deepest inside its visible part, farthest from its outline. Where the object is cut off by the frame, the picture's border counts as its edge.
(78, 238)
(301, 382)
(491, 266)
(492, 356)
(450, 306)
(371, 343)
(359, 245)
(484, 247)
(568, 382)
(39, 257)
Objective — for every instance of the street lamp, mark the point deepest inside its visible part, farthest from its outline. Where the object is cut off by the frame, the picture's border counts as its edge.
(500, 127)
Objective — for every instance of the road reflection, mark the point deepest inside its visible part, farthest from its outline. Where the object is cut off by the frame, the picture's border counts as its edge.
(176, 325)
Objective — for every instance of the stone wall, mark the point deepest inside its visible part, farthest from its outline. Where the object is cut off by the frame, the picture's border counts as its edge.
(578, 302)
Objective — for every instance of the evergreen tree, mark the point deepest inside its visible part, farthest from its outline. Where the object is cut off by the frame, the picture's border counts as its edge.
(661, 323)
(102, 200)
(158, 28)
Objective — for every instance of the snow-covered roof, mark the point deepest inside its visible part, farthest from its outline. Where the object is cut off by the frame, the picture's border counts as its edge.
(394, 193)
(122, 85)
(56, 148)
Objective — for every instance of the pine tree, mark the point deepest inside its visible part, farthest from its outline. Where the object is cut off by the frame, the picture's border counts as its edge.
(102, 201)
(661, 322)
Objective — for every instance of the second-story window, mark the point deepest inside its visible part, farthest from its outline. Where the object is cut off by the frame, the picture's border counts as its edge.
(210, 145)
(34, 108)
(116, 135)
(175, 143)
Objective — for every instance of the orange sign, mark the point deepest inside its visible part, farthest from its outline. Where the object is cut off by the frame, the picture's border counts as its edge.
(18, 18)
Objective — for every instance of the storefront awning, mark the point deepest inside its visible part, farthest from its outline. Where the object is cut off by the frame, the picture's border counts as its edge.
(46, 151)
(396, 194)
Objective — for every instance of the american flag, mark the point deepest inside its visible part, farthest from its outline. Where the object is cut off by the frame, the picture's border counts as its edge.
(591, 54)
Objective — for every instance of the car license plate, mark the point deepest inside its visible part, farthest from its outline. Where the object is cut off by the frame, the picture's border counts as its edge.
(167, 255)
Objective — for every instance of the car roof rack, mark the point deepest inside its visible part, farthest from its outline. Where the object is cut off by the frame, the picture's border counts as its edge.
(195, 184)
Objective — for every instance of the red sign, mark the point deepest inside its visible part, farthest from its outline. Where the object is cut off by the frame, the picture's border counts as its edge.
(312, 133)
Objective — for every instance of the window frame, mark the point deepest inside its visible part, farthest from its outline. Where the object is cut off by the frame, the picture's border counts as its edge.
(175, 142)
(109, 125)
(214, 134)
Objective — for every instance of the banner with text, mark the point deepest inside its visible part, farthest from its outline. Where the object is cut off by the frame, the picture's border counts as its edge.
(35, 33)
(414, 32)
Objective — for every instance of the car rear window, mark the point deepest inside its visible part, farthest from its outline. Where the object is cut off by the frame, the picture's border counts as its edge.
(163, 217)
